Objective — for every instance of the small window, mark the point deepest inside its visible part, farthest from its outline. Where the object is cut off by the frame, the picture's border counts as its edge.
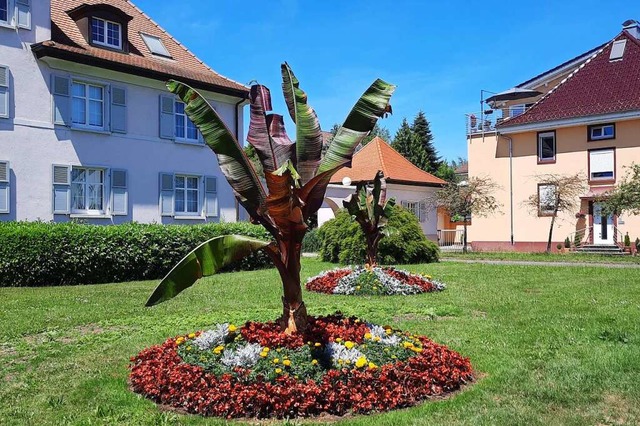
(617, 50)
(155, 45)
(106, 33)
(546, 147)
(601, 164)
(600, 132)
(546, 199)
(87, 105)
(185, 129)
(187, 196)
(87, 190)
(4, 11)
(414, 207)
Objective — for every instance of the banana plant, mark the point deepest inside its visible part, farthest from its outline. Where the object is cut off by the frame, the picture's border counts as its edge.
(370, 208)
(296, 176)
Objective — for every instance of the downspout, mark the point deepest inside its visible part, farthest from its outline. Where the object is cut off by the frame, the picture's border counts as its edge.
(510, 183)
(239, 139)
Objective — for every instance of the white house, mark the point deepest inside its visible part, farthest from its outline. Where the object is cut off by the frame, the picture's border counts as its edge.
(408, 184)
(87, 127)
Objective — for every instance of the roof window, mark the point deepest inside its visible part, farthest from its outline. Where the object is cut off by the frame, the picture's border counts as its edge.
(617, 50)
(155, 45)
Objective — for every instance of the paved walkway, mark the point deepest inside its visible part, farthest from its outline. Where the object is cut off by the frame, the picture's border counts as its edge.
(534, 263)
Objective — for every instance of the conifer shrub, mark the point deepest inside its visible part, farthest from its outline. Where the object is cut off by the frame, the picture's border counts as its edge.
(342, 241)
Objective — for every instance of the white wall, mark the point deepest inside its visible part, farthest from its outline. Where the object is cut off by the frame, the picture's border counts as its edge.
(32, 144)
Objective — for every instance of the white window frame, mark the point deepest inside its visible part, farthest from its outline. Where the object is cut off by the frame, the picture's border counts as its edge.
(7, 22)
(185, 124)
(87, 211)
(541, 210)
(602, 132)
(105, 33)
(155, 50)
(198, 190)
(542, 135)
(613, 165)
(414, 207)
(87, 103)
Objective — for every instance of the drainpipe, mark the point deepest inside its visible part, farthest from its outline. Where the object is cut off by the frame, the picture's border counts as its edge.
(510, 183)
(238, 138)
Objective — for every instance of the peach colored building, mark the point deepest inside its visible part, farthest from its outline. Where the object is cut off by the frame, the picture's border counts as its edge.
(580, 117)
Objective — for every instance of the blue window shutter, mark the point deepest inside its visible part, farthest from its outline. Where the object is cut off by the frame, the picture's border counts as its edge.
(61, 189)
(4, 91)
(23, 14)
(167, 117)
(5, 187)
(119, 193)
(118, 110)
(61, 90)
(210, 196)
(166, 194)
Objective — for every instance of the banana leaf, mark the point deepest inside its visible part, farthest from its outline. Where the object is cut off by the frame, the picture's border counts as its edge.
(235, 165)
(283, 204)
(206, 259)
(308, 132)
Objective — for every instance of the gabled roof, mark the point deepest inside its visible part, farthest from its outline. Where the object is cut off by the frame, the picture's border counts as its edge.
(68, 43)
(598, 86)
(378, 155)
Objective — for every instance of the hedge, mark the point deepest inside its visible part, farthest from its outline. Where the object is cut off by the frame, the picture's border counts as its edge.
(342, 241)
(49, 254)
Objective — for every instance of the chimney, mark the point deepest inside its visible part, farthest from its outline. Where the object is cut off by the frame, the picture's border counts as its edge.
(632, 27)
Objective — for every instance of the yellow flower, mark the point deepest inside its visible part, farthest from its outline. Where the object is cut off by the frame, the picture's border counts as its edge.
(286, 363)
(376, 339)
(218, 349)
(416, 350)
(338, 339)
(357, 287)
(372, 366)
(407, 345)
(232, 328)
(346, 361)
(388, 331)
(276, 360)
(356, 321)
(188, 348)
(317, 345)
(263, 354)
(349, 344)
(367, 335)
(179, 340)
(266, 350)
(361, 362)
(278, 370)
(314, 362)
(192, 335)
(428, 277)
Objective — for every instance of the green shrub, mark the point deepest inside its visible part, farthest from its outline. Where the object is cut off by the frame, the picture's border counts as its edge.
(342, 241)
(311, 242)
(627, 240)
(567, 243)
(47, 254)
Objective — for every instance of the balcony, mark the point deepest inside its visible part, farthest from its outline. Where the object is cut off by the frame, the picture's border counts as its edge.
(477, 123)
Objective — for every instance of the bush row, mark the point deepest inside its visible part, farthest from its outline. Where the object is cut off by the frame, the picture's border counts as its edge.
(342, 241)
(48, 254)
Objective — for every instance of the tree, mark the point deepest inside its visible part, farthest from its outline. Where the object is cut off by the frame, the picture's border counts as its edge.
(296, 176)
(403, 140)
(378, 131)
(447, 172)
(625, 197)
(421, 128)
(556, 193)
(474, 197)
(371, 209)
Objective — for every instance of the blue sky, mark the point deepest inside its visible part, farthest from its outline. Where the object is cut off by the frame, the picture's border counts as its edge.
(439, 54)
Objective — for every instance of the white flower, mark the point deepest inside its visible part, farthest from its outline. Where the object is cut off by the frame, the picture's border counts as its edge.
(339, 352)
(212, 338)
(244, 356)
(381, 333)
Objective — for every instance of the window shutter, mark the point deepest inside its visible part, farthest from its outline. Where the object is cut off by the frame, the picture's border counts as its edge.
(118, 110)
(167, 117)
(211, 196)
(5, 187)
(423, 211)
(166, 194)
(119, 194)
(601, 161)
(23, 14)
(404, 204)
(60, 87)
(61, 189)
(4, 91)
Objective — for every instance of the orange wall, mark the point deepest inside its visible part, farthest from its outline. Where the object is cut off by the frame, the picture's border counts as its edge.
(490, 157)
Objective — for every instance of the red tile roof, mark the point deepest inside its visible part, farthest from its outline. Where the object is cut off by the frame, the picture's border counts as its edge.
(598, 86)
(68, 42)
(378, 155)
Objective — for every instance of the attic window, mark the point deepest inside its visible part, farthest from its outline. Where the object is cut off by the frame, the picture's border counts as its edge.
(155, 45)
(106, 33)
(617, 50)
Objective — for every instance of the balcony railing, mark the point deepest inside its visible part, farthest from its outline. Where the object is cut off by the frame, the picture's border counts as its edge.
(486, 123)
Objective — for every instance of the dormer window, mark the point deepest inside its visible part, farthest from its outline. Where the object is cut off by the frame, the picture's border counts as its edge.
(4, 11)
(106, 33)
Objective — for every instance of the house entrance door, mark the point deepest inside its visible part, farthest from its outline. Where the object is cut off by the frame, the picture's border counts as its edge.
(602, 226)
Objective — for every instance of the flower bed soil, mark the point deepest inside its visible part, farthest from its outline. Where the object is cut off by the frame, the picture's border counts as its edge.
(339, 366)
(377, 281)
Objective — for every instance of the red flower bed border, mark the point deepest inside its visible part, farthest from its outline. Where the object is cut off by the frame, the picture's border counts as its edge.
(159, 374)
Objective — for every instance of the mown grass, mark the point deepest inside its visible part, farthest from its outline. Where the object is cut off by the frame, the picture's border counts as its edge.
(542, 257)
(550, 345)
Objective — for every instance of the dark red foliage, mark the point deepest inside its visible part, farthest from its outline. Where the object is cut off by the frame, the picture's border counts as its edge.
(328, 281)
(159, 374)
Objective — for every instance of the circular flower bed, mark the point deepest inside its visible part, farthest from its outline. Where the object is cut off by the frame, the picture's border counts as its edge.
(375, 281)
(340, 365)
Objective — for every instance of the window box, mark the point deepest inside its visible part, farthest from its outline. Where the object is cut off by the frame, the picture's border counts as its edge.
(601, 132)
(546, 147)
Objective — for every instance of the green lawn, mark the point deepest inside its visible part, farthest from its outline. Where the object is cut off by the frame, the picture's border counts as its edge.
(551, 345)
(542, 257)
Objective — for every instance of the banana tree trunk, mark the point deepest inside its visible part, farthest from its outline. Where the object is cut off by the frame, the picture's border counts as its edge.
(372, 249)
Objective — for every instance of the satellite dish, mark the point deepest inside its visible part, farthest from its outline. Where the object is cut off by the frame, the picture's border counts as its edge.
(346, 181)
